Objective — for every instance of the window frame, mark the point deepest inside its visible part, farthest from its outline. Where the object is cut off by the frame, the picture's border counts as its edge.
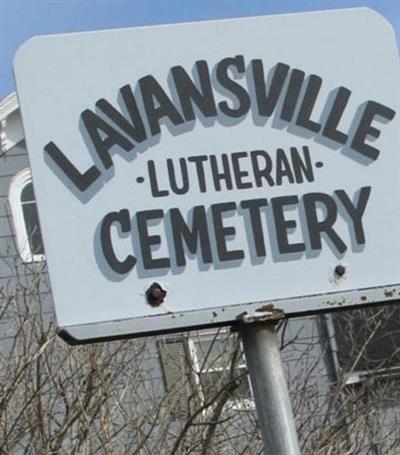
(356, 376)
(17, 185)
(234, 403)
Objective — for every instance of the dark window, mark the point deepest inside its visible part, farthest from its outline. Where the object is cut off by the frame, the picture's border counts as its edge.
(31, 219)
(368, 339)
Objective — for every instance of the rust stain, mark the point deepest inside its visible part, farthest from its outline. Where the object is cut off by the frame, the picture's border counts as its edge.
(155, 295)
(266, 312)
(241, 315)
(340, 302)
(267, 307)
(388, 292)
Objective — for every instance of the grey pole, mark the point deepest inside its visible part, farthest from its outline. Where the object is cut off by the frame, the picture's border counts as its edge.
(274, 410)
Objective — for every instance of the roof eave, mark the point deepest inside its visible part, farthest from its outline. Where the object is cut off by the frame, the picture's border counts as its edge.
(8, 105)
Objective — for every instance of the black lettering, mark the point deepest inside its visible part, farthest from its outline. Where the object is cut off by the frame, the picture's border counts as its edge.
(302, 166)
(356, 212)
(365, 128)
(104, 137)
(199, 163)
(184, 176)
(157, 104)
(316, 227)
(147, 241)
(81, 181)
(134, 130)
(308, 103)
(261, 173)
(123, 221)
(283, 168)
(222, 232)
(197, 235)
(292, 94)
(266, 102)
(224, 175)
(155, 191)
(282, 225)
(188, 93)
(253, 206)
(339, 105)
(239, 173)
(236, 89)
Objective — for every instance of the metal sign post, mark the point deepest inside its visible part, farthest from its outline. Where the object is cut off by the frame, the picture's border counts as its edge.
(268, 381)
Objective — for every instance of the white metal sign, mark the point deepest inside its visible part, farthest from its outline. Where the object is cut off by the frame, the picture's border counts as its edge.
(186, 173)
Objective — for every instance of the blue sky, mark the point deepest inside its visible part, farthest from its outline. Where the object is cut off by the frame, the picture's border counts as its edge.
(22, 19)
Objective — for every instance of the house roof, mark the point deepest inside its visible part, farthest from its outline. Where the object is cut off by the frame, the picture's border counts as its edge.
(8, 105)
(11, 132)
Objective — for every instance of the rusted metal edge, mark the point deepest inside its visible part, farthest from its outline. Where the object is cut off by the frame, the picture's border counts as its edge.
(266, 313)
(175, 322)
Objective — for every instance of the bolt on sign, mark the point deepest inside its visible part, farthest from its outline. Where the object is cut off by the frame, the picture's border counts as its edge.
(187, 173)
